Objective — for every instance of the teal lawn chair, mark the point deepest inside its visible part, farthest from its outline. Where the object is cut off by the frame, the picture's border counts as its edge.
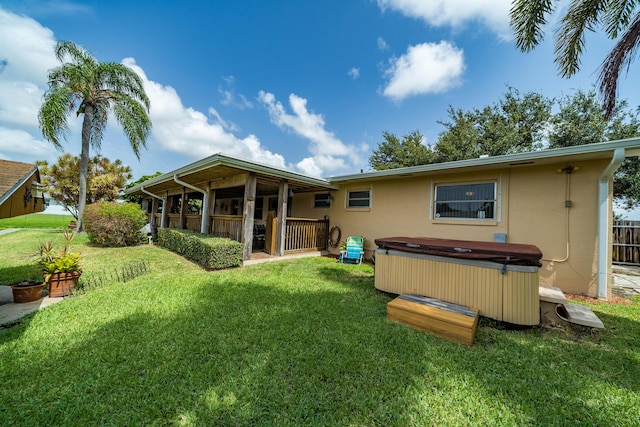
(354, 252)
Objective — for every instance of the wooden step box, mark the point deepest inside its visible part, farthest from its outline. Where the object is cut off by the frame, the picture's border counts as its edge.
(447, 320)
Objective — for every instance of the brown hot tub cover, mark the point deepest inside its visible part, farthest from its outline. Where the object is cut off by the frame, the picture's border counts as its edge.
(503, 253)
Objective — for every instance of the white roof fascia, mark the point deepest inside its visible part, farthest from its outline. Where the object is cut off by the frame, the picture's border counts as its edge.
(632, 146)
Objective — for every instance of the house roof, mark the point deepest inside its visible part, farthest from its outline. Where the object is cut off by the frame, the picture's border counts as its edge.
(12, 176)
(220, 166)
(602, 150)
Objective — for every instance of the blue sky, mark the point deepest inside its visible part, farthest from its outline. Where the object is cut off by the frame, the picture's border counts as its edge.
(308, 86)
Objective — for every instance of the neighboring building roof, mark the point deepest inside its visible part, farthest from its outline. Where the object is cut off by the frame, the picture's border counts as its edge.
(602, 150)
(12, 176)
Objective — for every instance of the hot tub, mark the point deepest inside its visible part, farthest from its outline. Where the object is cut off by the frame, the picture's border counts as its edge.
(500, 280)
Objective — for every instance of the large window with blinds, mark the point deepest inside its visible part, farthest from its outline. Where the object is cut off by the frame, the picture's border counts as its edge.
(465, 201)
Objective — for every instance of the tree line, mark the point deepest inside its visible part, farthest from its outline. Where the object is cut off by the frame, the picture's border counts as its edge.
(518, 123)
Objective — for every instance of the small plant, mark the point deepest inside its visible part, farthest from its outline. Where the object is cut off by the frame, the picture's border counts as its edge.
(64, 261)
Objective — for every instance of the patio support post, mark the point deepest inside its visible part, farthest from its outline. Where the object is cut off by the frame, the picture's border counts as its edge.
(163, 216)
(247, 215)
(204, 220)
(183, 209)
(154, 209)
(212, 210)
(281, 228)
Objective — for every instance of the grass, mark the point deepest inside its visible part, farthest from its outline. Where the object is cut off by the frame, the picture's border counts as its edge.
(36, 220)
(300, 342)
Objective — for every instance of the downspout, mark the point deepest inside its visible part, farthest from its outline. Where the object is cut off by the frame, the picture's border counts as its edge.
(164, 203)
(205, 202)
(603, 221)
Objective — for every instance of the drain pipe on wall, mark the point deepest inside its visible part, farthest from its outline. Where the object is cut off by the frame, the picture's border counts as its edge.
(205, 203)
(164, 203)
(603, 221)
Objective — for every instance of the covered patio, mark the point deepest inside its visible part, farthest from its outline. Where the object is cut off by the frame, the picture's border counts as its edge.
(242, 200)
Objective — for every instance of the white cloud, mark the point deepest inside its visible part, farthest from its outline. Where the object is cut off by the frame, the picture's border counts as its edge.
(328, 151)
(425, 68)
(229, 97)
(230, 126)
(354, 73)
(187, 131)
(26, 52)
(382, 44)
(15, 143)
(493, 14)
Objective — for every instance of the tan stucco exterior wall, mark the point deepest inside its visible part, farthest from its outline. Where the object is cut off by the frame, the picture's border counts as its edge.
(531, 210)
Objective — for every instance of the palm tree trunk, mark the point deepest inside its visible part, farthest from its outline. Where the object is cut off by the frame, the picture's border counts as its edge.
(84, 162)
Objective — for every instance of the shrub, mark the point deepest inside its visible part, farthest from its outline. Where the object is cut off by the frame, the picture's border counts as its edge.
(114, 224)
(210, 252)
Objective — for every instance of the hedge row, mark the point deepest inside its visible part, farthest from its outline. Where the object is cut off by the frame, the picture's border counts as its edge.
(210, 252)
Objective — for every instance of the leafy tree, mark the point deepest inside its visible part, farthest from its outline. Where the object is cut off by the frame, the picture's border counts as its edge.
(105, 180)
(619, 19)
(84, 86)
(582, 121)
(514, 124)
(579, 121)
(521, 123)
(135, 198)
(395, 153)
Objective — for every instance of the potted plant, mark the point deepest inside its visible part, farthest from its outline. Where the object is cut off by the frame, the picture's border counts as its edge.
(61, 270)
(27, 291)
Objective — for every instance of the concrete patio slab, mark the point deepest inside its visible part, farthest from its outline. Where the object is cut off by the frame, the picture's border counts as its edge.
(10, 311)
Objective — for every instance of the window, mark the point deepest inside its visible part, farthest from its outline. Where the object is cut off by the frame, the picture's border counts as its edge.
(359, 199)
(322, 200)
(466, 201)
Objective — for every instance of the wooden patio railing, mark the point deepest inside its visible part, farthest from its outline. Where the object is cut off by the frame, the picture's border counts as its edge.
(229, 226)
(192, 222)
(302, 234)
(306, 234)
(173, 220)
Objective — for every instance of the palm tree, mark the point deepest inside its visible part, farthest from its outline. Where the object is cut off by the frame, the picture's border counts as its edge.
(618, 19)
(91, 88)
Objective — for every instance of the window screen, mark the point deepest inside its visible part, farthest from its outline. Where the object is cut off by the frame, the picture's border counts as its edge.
(359, 199)
(476, 201)
(322, 200)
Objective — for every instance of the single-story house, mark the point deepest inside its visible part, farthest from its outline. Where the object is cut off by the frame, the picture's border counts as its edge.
(20, 189)
(557, 199)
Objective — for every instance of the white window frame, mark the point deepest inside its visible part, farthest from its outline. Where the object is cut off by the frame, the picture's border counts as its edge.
(496, 201)
(327, 200)
(348, 198)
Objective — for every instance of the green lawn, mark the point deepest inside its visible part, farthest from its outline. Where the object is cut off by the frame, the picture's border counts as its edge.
(294, 343)
(37, 220)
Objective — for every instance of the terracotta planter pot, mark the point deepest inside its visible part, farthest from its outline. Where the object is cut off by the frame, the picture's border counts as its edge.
(61, 284)
(27, 293)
